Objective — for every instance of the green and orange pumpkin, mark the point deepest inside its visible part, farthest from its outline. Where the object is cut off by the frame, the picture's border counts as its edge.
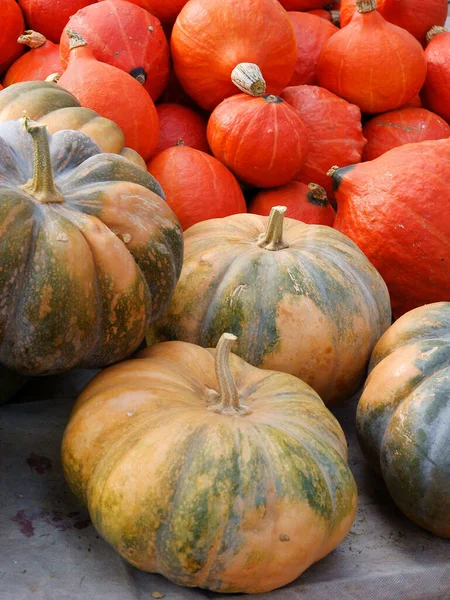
(403, 419)
(300, 298)
(90, 251)
(211, 472)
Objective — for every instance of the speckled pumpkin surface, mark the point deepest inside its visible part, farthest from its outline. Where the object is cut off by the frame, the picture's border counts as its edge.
(221, 476)
(403, 417)
(308, 303)
(89, 251)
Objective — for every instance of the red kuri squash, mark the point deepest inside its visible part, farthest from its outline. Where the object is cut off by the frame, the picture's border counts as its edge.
(311, 33)
(42, 60)
(399, 127)
(11, 27)
(262, 140)
(127, 37)
(307, 203)
(393, 208)
(372, 63)
(109, 91)
(197, 186)
(180, 125)
(211, 37)
(164, 10)
(436, 92)
(320, 12)
(303, 4)
(49, 17)
(334, 130)
(416, 16)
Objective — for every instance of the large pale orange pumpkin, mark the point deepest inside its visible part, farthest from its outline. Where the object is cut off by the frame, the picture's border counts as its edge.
(301, 300)
(214, 473)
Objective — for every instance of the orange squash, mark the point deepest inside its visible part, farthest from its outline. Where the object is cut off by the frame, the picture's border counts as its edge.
(334, 131)
(188, 448)
(261, 140)
(436, 91)
(311, 33)
(197, 186)
(180, 125)
(403, 126)
(11, 27)
(37, 64)
(303, 4)
(211, 37)
(323, 14)
(127, 37)
(363, 61)
(307, 203)
(164, 10)
(107, 90)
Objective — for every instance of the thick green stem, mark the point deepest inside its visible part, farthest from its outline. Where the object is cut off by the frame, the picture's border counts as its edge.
(227, 402)
(365, 6)
(42, 185)
(272, 239)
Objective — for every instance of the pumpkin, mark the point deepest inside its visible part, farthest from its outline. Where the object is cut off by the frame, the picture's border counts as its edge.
(50, 17)
(11, 27)
(416, 16)
(243, 479)
(111, 98)
(261, 140)
(393, 208)
(323, 14)
(125, 36)
(197, 186)
(304, 301)
(41, 61)
(90, 251)
(303, 4)
(164, 10)
(399, 127)
(180, 125)
(416, 102)
(402, 417)
(58, 109)
(362, 62)
(307, 203)
(436, 91)
(10, 384)
(334, 131)
(311, 33)
(211, 37)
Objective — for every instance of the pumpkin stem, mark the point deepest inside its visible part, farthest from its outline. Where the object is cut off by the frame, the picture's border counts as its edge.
(272, 239)
(365, 6)
(434, 31)
(333, 170)
(317, 195)
(53, 78)
(76, 39)
(32, 39)
(336, 17)
(227, 402)
(42, 185)
(248, 78)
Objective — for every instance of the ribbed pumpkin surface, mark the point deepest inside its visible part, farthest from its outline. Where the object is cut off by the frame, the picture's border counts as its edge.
(227, 502)
(403, 417)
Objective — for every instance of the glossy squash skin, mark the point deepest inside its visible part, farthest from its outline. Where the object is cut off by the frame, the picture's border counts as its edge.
(303, 4)
(436, 91)
(403, 420)
(90, 251)
(399, 127)
(393, 208)
(180, 125)
(211, 37)
(11, 27)
(233, 488)
(58, 109)
(164, 10)
(314, 308)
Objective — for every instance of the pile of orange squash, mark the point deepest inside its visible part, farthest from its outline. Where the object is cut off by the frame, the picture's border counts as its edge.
(263, 176)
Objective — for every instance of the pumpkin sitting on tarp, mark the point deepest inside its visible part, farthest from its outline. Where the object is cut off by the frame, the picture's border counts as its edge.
(209, 471)
(301, 299)
(90, 251)
(403, 419)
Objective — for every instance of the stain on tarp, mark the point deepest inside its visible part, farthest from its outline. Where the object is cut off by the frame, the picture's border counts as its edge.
(57, 519)
(39, 464)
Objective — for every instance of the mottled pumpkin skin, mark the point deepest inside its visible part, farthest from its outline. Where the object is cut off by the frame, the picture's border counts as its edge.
(315, 309)
(403, 417)
(58, 109)
(227, 503)
(80, 279)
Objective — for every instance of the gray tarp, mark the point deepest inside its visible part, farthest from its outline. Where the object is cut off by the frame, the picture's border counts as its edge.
(49, 550)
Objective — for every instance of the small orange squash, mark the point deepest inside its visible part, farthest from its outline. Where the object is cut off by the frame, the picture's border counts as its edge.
(11, 27)
(436, 91)
(37, 64)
